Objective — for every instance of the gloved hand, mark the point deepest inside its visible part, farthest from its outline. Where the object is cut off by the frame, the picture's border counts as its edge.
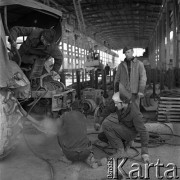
(10, 54)
(97, 126)
(145, 158)
(134, 97)
(18, 76)
(14, 44)
(54, 73)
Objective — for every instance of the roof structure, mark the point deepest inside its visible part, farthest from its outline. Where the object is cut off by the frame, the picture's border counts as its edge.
(30, 3)
(117, 23)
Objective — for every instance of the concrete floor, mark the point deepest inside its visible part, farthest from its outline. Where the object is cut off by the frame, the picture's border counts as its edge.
(23, 164)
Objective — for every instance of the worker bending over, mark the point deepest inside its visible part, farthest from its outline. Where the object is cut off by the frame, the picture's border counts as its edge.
(124, 127)
(72, 138)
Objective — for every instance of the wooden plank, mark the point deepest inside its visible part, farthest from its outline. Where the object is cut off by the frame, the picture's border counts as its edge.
(168, 112)
(169, 105)
(169, 109)
(169, 116)
(171, 98)
(165, 120)
(169, 120)
(169, 102)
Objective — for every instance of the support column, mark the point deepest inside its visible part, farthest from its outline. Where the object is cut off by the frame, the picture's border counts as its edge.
(78, 87)
(178, 37)
(167, 35)
(161, 53)
(175, 64)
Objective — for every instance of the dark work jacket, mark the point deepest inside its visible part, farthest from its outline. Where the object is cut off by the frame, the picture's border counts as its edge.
(136, 81)
(73, 133)
(132, 119)
(31, 46)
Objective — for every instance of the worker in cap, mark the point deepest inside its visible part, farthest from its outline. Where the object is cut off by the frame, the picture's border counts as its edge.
(48, 36)
(126, 48)
(39, 43)
(121, 122)
(132, 75)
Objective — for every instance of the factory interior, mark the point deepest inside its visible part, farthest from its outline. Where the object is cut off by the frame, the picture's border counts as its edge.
(91, 35)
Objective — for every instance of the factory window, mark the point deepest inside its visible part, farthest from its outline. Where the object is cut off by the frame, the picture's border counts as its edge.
(69, 60)
(73, 48)
(65, 63)
(171, 35)
(65, 46)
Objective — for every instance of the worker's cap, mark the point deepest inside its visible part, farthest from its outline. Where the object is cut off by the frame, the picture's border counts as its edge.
(126, 48)
(49, 35)
(116, 97)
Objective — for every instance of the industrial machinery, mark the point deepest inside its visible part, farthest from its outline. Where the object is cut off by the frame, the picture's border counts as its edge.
(20, 94)
(93, 61)
(93, 101)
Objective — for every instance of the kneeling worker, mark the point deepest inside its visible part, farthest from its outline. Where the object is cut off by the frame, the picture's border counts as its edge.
(72, 138)
(129, 123)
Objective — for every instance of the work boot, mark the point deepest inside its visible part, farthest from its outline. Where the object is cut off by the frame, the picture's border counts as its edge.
(102, 137)
(94, 163)
(101, 143)
(128, 144)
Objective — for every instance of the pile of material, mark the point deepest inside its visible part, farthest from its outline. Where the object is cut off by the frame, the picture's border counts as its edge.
(169, 106)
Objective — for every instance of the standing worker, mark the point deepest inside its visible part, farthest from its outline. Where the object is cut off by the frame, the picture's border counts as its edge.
(107, 69)
(132, 75)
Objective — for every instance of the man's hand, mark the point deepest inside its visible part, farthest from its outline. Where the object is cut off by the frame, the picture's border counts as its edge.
(140, 94)
(54, 73)
(97, 126)
(145, 158)
(134, 97)
(13, 44)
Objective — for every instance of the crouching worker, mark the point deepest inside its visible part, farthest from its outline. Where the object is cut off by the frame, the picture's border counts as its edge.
(72, 138)
(121, 128)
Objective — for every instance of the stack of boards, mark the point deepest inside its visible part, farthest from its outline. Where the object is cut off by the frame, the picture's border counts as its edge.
(169, 106)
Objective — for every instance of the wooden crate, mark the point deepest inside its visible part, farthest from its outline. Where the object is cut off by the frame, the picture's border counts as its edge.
(169, 109)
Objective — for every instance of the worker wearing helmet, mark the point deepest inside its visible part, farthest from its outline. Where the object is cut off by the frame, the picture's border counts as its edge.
(123, 126)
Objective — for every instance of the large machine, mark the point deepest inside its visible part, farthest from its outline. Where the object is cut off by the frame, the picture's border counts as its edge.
(92, 100)
(21, 95)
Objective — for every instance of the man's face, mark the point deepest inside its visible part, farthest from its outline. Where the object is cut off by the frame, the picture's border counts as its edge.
(129, 54)
(118, 104)
(43, 40)
(68, 102)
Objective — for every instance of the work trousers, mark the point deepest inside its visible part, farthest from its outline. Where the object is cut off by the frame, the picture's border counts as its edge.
(76, 154)
(136, 100)
(117, 133)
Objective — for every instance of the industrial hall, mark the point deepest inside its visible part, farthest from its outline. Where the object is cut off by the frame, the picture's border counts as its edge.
(89, 89)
